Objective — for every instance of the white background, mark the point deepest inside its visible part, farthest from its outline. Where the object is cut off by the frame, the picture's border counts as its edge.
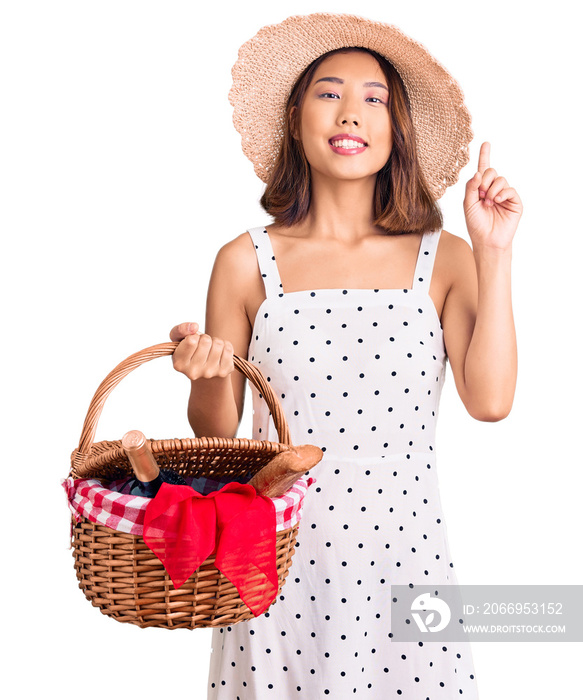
(122, 175)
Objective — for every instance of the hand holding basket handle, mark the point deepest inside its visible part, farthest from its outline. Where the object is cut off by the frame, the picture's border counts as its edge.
(203, 356)
(274, 477)
(200, 355)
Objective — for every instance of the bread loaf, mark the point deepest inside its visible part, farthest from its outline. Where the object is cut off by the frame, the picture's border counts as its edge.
(279, 475)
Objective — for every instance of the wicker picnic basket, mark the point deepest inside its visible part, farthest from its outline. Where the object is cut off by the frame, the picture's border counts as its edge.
(117, 572)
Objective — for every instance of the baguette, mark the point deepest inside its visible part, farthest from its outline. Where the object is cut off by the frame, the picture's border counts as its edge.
(279, 475)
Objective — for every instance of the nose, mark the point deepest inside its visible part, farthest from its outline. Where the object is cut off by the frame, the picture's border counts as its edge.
(349, 111)
(349, 115)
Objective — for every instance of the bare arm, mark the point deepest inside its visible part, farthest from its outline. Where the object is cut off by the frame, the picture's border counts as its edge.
(479, 332)
(217, 393)
(479, 325)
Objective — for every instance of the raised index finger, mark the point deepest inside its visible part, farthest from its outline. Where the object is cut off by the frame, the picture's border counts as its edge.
(484, 157)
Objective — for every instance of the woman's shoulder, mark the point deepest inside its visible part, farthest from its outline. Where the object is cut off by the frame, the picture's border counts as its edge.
(452, 245)
(236, 260)
(454, 257)
(236, 274)
(238, 251)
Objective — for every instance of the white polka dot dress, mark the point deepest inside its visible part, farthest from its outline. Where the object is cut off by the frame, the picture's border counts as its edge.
(359, 373)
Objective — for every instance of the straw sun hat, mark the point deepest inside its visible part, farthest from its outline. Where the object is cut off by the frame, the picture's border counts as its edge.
(269, 64)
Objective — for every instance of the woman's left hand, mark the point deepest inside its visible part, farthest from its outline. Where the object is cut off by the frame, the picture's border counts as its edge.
(492, 208)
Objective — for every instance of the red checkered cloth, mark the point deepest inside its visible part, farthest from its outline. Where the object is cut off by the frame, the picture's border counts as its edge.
(125, 513)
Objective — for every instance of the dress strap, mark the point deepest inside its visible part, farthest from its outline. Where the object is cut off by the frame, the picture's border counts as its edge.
(266, 261)
(425, 260)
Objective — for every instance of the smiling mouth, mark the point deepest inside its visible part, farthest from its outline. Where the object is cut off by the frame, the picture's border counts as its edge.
(347, 143)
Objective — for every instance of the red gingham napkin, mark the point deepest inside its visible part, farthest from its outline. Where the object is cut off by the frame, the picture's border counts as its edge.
(125, 513)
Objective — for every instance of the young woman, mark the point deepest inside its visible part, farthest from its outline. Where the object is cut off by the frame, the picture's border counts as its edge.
(351, 302)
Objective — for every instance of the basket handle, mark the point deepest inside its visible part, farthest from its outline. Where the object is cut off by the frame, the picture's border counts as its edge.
(252, 373)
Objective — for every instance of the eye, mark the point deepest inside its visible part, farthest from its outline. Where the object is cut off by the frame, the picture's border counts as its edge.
(331, 94)
(379, 101)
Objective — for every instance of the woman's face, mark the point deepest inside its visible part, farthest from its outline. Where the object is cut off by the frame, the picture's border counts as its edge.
(344, 121)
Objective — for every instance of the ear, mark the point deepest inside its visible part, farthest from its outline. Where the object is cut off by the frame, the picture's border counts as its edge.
(292, 120)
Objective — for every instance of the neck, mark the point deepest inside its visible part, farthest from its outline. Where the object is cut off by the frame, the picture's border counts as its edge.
(341, 210)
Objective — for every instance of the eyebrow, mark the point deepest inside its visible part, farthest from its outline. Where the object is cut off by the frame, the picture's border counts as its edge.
(341, 82)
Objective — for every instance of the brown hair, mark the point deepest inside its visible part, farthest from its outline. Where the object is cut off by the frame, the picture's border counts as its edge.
(402, 203)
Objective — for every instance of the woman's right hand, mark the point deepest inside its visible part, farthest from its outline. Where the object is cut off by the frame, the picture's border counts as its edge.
(198, 355)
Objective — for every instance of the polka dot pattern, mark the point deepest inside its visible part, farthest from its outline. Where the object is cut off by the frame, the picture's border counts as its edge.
(359, 373)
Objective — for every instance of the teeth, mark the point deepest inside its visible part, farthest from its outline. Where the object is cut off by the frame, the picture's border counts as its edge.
(347, 143)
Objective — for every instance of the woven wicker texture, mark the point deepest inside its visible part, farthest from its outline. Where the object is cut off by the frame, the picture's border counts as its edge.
(117, 572)
(269, 64)
(121, 577)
